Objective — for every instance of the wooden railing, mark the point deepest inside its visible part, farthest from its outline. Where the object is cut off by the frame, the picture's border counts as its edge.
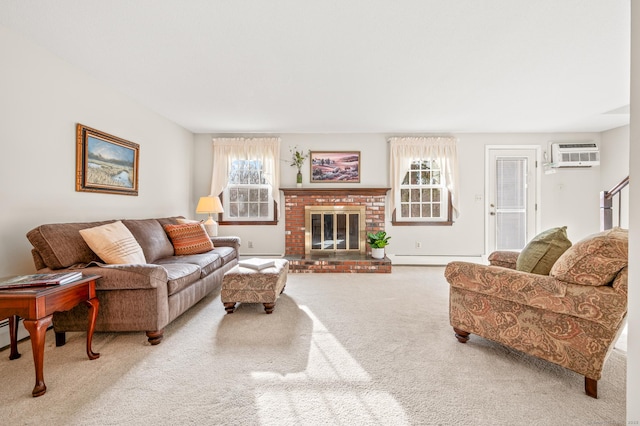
(606, 204)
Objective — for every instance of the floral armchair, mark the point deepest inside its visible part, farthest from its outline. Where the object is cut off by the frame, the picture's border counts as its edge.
(571, 317)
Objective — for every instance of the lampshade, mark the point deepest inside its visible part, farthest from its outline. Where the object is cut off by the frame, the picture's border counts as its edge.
(209, 205)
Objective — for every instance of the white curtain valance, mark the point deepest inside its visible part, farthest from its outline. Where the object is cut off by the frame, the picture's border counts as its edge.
(403, 150)
(228, 150)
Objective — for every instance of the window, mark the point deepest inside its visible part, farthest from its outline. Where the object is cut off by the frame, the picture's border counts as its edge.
(423, 174)
(247, 196)
(423, 194)
(246, 175)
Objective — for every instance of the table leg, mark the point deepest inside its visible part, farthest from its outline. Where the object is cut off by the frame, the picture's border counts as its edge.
(13, 336)
(93, 314)
(37, 330)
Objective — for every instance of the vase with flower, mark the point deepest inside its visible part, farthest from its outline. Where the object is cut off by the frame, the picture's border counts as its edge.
(297, 160)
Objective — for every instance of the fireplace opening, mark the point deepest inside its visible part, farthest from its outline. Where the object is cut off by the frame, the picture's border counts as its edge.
(334, 229)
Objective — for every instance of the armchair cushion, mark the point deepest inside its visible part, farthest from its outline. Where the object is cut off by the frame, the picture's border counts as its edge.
(595, 260)
(543, 251)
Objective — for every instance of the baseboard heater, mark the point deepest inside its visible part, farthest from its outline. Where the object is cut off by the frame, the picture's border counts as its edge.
(5, 338)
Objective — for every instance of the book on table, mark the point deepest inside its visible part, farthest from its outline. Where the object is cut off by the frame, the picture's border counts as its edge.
(39, 280)
(257, 263)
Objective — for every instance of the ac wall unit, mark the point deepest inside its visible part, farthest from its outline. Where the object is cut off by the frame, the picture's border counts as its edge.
(575, 154)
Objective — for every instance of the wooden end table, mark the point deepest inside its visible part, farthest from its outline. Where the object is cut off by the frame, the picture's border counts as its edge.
(36, 306)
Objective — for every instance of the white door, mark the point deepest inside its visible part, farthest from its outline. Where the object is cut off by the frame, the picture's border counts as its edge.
(511, 197)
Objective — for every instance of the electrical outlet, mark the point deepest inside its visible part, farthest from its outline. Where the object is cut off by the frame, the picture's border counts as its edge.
(250, 244)
(418, 244)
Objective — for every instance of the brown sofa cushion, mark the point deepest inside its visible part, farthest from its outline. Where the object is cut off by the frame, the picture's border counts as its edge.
(60, 244)
(189, 239)
(543, 250)
(207, 262)
(151, 237)
(595, 260)
(181, 276)
(227, 254)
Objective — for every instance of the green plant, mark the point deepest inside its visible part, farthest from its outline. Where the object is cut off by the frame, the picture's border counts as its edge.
(378, 240)
(298, 157)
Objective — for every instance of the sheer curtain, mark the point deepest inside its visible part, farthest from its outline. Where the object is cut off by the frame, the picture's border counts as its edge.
(403, 150)
(227, 150)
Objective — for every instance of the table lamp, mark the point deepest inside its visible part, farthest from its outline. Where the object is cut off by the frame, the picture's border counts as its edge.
(209, 205)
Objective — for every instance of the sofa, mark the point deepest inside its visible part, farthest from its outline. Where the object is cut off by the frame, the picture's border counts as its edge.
(572, 316)
(143, 295)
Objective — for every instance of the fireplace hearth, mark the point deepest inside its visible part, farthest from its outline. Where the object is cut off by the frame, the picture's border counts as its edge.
(326, 229)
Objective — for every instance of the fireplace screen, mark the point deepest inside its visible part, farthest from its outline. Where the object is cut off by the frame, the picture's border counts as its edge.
(334, 229)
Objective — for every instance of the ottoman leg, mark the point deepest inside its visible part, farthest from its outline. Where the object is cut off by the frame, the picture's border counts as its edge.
(230, 307)
(268, 307)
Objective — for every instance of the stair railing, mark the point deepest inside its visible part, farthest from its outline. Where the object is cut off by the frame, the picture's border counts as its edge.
(606, 204)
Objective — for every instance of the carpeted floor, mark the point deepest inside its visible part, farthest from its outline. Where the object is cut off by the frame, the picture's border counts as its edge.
(339, 349)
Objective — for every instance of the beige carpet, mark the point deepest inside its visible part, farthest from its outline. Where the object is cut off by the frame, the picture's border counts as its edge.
(340, 349)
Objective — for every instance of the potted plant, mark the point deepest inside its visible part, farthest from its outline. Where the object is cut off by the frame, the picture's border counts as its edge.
(297, 160)
(378, 242)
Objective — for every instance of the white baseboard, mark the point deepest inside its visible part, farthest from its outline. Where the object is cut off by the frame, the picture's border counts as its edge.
(433, 260)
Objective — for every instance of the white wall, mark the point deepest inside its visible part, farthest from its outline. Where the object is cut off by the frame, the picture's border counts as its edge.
(569, 197)
(269, 240)
(42, 98)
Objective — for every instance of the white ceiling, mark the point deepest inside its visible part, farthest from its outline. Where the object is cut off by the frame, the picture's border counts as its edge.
(334, 66)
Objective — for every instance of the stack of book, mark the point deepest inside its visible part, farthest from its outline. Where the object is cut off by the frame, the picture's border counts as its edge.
(39, 280)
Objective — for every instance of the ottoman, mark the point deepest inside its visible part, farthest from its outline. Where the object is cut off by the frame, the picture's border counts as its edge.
(246, 285)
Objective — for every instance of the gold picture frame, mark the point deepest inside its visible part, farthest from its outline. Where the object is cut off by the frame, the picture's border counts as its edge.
(105, 163)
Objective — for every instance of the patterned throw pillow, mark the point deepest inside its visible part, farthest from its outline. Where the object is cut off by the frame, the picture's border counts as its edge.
(114, 244)
(595, 260)
(542, 252)
(189, 238)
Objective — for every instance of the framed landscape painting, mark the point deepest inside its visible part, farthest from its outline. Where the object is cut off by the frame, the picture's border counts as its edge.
(335, 166)
(105, 163)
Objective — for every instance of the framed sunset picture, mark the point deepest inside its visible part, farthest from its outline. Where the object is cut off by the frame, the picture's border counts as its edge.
(335, 166)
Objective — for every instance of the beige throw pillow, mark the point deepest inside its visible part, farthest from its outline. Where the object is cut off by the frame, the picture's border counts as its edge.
(114, 244)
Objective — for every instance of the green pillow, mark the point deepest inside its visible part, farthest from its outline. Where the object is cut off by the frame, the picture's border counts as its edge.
(542, 252)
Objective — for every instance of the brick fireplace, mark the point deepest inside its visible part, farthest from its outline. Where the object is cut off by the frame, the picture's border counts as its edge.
(295, 201)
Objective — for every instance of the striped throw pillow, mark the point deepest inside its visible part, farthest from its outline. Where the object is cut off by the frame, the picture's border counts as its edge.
(114, 244)
(190, 238)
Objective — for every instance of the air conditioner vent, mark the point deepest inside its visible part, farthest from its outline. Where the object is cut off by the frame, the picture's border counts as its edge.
(575, 154)
(582, 145)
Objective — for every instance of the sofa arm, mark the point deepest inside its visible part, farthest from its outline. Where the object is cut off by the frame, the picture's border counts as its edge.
(230, 241)
(516, 286)
(123, 277)
(606, 304)
(506, 259)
